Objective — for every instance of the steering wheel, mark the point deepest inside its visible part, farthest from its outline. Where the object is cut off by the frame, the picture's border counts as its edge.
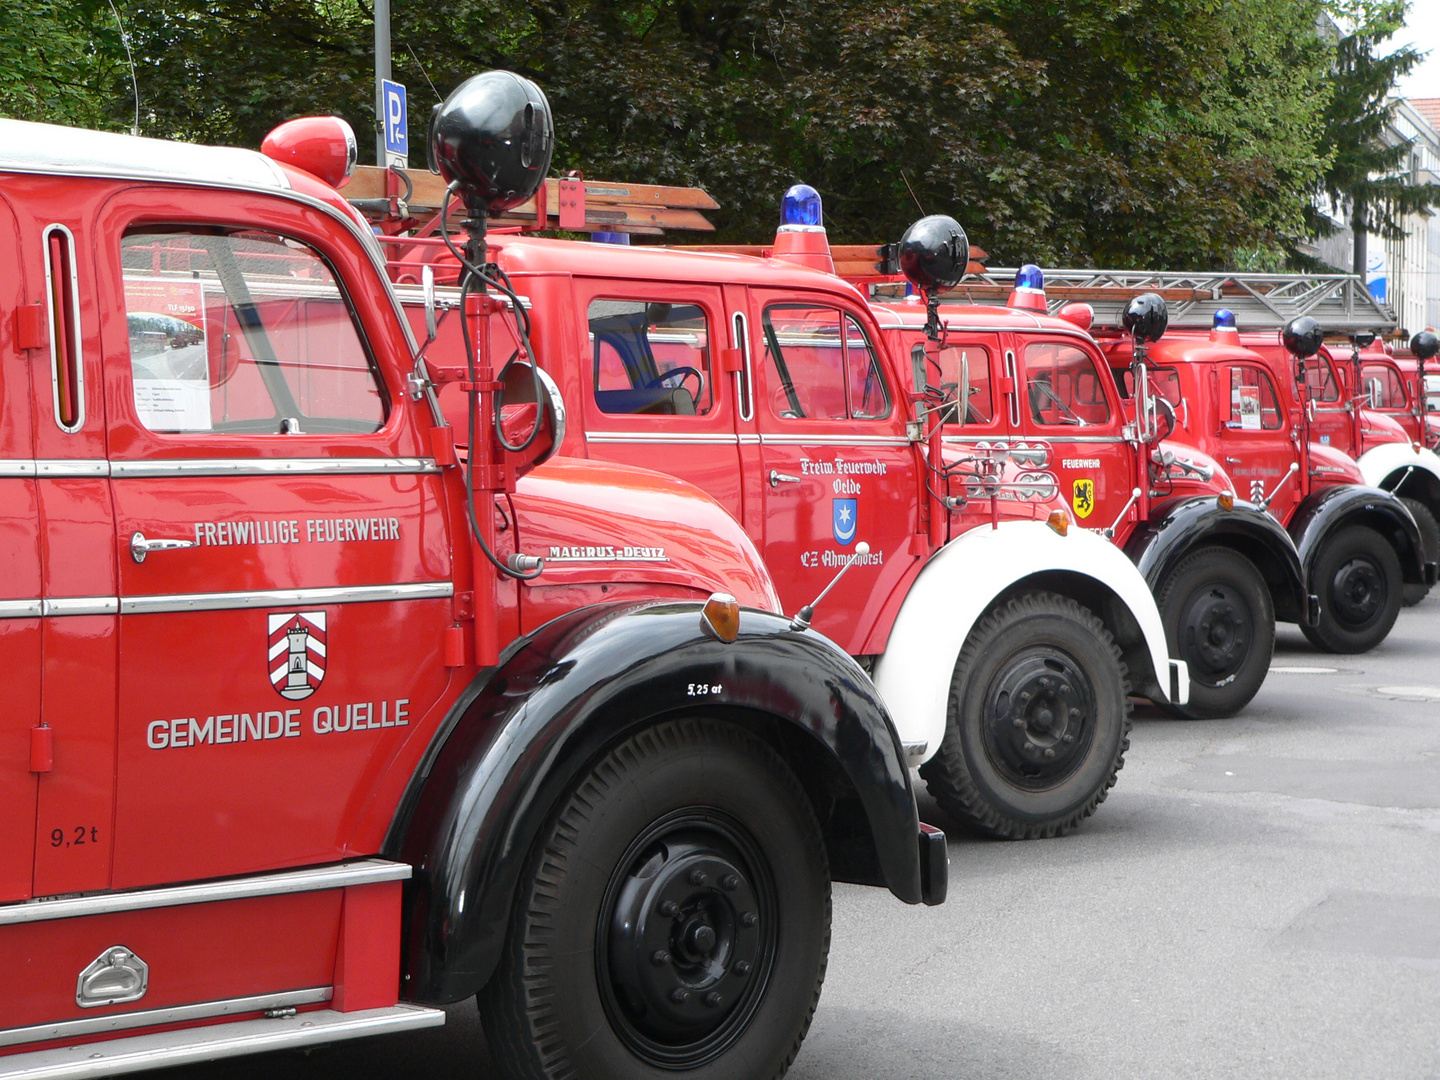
(684, 373)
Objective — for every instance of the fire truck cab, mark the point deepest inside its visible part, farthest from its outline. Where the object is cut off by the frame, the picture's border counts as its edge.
(317, 721)
(1005, 648)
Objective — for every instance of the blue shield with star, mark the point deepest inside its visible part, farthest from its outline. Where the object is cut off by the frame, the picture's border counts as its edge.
(845, 514)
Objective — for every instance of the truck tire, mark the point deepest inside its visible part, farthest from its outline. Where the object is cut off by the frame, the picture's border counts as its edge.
(1038, 721)
(673, 920)
(1430, 534)
(1357, 576)
(1219, 619)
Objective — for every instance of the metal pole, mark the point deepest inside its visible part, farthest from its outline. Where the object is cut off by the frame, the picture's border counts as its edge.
(382, 71)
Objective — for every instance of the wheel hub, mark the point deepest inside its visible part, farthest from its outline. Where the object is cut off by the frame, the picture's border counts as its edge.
(1216, 631)
(1040, 713)
(687, 944)
(1357, 592)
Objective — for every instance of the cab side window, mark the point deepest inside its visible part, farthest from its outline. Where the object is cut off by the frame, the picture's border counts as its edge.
(821, 365)
(650, 357)
(957, 363)
(1253, 405)
(1392, 389)
(1320, 381)
(241, 332)
(1064, 386)
(1164, 382)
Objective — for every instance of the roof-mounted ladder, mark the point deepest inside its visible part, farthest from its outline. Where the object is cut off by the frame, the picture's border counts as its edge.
(1340, 302)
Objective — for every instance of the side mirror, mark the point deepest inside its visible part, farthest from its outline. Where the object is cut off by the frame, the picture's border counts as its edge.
(1164, 417)
(517, 413)
(1374, 393)
(427, 285)
(962, 393)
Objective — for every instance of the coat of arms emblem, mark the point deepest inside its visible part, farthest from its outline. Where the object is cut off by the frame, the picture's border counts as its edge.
(296, 653)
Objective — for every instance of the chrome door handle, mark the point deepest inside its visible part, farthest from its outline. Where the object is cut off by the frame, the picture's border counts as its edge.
(140, 547)
(1232, 461)
(778, 478)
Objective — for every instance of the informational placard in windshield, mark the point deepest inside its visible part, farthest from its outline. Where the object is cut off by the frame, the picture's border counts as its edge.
(1247, 407)
(169, 361)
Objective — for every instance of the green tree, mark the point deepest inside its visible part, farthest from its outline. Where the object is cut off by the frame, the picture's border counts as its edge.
(63, 63)
(1172, 133)
(1367, 170)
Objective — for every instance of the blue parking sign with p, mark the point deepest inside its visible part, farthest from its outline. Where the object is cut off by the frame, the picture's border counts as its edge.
(395, 118)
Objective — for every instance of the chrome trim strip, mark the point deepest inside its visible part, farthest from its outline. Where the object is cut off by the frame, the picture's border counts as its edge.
(79, 341)
(859, 441)
(59, 467)
(81, 605)
(1031, 439)
(312, 879)
(99, 1060)
(65, 467)
(232, 601)
(272, 467)
(661, 437)
(222, 601)
(744, 380)
(99, 1025)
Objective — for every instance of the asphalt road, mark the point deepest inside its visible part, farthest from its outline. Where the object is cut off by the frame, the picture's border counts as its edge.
(1258, 897)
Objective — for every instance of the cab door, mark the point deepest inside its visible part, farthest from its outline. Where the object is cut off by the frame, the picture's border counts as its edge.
(659, 389)
(1254, 436)
(284, 572)
(836, 465)
(20, 625)
(1069, 400)
(1331, 423)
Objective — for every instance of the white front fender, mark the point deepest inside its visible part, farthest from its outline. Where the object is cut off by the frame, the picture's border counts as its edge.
(961, 583)
(1387, 459)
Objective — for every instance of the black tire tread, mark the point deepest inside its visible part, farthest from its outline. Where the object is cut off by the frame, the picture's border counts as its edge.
(1186, 712)
(948, 778)
(521, 1029)
(1430, 535)
(1321, 636)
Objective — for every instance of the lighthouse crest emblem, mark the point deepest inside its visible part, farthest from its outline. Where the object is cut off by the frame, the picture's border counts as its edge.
(296, 653)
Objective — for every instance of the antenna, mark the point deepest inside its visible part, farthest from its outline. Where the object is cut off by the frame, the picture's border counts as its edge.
(129, 57)
(806, 613)
(912, 193)
(423, 72)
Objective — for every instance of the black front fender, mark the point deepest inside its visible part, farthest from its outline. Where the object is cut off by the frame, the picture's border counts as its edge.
(1176, 529)
(1332, 508)
(528, 730)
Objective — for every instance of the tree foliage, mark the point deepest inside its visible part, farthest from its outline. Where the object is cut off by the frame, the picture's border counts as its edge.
(1177, 133)
(1367, 173)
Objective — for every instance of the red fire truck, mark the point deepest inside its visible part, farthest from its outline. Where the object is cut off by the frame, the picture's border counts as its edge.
(1357, 589)
(1005, 649)
(1221, 571)
(1395, 385)
(316, 723)
(1360, 402)
(1359, 545)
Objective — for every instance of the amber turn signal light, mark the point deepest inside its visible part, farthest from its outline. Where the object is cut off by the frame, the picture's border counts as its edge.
(1059, 521)
(721, 615)
(1226, 500)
